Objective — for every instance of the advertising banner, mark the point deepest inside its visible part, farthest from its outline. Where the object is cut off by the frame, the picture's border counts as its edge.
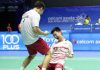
(66, 17)
(13, 41)
(85, 41)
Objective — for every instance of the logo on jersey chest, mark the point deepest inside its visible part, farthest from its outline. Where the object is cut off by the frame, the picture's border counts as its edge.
(59, 49)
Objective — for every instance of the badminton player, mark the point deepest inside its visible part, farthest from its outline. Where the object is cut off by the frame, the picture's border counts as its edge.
(30, 31)
(59, 51)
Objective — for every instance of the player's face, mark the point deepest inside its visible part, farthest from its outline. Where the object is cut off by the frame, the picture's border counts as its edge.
(41, 11)
(57, 34)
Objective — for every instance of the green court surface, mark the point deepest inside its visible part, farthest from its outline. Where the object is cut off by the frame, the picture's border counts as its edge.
(76, 63)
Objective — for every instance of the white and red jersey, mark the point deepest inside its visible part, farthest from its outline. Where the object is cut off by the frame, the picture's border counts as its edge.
(29, 20)
(59, 51)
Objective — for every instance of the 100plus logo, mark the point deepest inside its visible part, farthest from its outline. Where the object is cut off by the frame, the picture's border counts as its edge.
(10, 42)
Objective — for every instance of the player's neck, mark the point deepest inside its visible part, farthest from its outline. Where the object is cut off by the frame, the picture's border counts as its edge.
(37, 10)
(61, 39)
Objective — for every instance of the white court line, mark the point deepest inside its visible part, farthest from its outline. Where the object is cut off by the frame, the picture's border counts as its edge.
(11, 57)
(40, 58)
(9, 69)
(5, 58)
(85, 59)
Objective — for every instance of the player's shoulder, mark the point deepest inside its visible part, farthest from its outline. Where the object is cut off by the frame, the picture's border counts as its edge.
(68, 42)
(32, 12)
(26, 13)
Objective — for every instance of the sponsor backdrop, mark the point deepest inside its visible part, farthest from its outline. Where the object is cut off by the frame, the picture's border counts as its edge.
(85, 41)
(80, 41)
(65, 17)
(83, 37)
(13, 41)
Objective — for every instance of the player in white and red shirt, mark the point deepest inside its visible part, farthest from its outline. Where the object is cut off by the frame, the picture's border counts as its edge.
(60, 50)
(30, 31)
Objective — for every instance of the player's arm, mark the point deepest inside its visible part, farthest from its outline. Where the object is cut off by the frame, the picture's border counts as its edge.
(35, 20)
(19, 27)
(38, 31)
(68, 54)
(70, 51)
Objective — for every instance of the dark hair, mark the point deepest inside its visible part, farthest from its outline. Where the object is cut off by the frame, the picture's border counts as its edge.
(55, 29)
(39, 4)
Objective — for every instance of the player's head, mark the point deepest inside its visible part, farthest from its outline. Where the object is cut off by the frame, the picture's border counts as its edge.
(40, 6)
(56, 32)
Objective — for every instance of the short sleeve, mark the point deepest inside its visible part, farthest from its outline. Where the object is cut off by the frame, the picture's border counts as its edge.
(35, 20)
(71, 48)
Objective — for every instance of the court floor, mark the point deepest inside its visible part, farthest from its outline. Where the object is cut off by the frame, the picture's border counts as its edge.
(13, 63)
(79, 62)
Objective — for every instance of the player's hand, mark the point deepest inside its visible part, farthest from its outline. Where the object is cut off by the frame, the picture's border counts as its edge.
(46, 33)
